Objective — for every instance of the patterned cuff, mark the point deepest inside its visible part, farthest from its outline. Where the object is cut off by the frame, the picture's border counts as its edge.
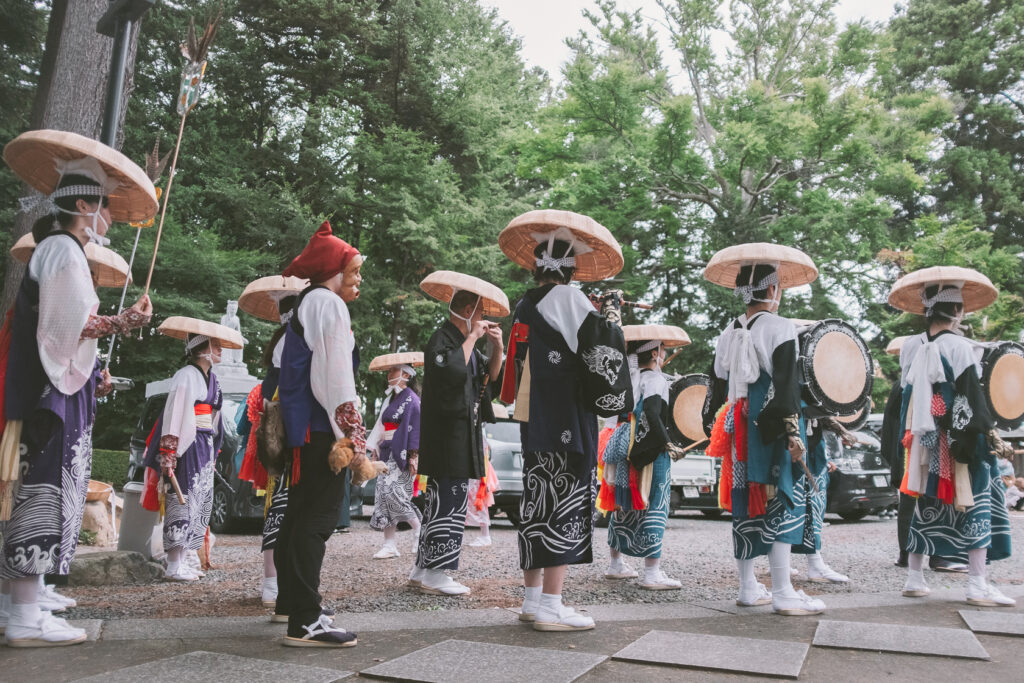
(351, 424)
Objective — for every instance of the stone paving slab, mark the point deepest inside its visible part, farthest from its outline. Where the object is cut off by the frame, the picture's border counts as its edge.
(92, 627)
(216, 666)
(191, 627)
(463, 661)
(718, 653)
(917, 640)
(1001, 623)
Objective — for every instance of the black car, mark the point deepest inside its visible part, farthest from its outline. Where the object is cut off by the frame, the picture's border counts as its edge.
(859, 485)
(234, 500)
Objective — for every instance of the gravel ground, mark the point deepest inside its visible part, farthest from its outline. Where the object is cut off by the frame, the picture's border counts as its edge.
(697, 552)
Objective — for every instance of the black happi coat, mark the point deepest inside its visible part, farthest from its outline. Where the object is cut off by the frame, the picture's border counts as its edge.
(578, 370)
(451, 441)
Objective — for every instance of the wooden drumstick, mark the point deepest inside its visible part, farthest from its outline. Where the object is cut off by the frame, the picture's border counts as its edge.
(671, 358)
(810, 477)
(694, 445)
(177, 489)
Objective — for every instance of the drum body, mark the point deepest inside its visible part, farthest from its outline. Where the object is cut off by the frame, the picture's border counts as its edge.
(857, 419)
(686, 398)
(1002, 380)
(836, 369)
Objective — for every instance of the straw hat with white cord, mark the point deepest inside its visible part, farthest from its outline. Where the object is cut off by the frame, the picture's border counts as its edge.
(42, 157)
(191, 329)
(412, 359)
(262, 296)
(442, 285)
(107, 266)
(669, 336)
(794, 267)
(969, 287)
(594, 254)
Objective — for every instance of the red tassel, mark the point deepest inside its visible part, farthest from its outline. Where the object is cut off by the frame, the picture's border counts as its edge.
(634, 489)
(296, 467)
(908, 439)
(757, 501)
(150, 497)
(938, 405)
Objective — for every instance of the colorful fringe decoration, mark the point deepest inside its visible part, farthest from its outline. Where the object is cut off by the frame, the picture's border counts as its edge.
(252, 469)
(606, 494)
(946, 490)
(729, 442)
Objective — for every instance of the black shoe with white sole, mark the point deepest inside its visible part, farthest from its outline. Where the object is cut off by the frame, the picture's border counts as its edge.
(321, 633)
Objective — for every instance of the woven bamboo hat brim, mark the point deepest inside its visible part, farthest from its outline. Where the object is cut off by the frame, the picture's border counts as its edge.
(670, 336)
(976, 289)
(391, 360)
(442, 285)
(602, 261)
(895, 346)
(794, 266)
(107, 266)
(260, 297)
(179, 327)
(33, 156)
(801, 322)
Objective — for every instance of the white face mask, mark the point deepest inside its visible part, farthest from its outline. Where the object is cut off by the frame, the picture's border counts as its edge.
(91, 232)
(469, 320)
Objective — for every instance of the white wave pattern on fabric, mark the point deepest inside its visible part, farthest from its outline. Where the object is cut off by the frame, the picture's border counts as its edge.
(441, 534)
(74, 488)
(550, 508)
(392, 500)
(33, 516)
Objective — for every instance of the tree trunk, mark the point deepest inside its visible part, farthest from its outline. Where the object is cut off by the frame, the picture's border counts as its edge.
(71, 92)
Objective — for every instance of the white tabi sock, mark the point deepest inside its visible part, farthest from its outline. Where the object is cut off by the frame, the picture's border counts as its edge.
(531, 598)
(816, 563)
(745, 568)
(782, 584)
(551, 603)
(25, 615)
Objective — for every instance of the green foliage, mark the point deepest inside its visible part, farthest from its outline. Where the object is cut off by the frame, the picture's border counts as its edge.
(110, 467)
(782, 138)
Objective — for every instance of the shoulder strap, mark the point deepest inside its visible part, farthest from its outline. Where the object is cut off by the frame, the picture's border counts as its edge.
(294, 322)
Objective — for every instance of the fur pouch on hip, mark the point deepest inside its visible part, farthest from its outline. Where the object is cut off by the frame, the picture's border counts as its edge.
(271, 444)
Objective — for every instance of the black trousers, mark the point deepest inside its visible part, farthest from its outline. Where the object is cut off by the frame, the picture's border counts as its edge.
(314, 502)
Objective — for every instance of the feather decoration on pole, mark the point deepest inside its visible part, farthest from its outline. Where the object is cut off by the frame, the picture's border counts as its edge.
(195, 51)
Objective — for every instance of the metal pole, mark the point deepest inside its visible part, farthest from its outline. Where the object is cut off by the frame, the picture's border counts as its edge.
(115, 81)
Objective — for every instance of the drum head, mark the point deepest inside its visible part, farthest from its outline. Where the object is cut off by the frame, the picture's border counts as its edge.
(856, 420)
(1003, 382)
(686, 400)
(835, 366)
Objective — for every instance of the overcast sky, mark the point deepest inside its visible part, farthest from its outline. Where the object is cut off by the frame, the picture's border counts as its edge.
(545, 24)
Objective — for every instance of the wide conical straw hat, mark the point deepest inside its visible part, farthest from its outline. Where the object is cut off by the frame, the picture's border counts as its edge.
(34, 156)
(179, 327)
(895, 346)
(795, 268)
(107, 267)
(442, 285)
(670, 336)
(260, 297)
(976, 289)
(390, 360)
(598, 254)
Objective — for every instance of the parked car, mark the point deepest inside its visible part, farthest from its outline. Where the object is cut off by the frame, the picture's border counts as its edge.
(234, 501)
(860, 484)
(506, 454)
(694, 481)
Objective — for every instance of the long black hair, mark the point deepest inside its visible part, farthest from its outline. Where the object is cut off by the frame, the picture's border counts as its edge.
(44, 225)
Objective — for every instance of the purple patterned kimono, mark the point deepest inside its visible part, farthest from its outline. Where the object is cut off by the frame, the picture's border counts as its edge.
(56, 440)
(392, 501)
(185, 525)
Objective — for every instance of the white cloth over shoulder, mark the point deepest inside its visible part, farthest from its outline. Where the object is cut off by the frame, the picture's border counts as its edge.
(187, 386)
(565, 308)
(373, 438)
(327, 330)
(921, 366)
(652, 383)
(66, 300)
(745, 350)
(278, 353)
